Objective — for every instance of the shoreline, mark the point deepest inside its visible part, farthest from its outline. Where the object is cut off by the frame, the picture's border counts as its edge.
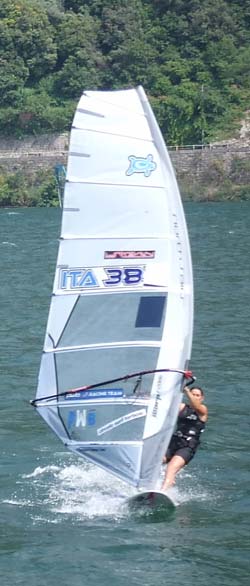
(215, 172)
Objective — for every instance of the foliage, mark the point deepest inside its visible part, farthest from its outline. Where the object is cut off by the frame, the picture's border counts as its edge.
(20, 189)
(79, 59)
(191, 57)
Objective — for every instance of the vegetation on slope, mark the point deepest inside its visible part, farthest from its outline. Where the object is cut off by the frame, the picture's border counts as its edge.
(191, 56)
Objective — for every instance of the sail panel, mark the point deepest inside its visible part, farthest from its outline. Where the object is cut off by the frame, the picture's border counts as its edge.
(122, 460)
(103, 421)
(104, 251)
(110, 104)
(77, 369)
(53, 420)
(114, 124)
(99, 319)
(126, 100)
(61, 310)
(103, 159)
(47, 381)
(122, 213)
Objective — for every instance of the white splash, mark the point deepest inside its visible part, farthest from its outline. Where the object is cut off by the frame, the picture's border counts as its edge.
(39, 471)
(82, 491)
(187, 489)
(89, 492)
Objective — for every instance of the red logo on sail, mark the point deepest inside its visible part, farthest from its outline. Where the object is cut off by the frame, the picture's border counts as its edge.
(129, 254)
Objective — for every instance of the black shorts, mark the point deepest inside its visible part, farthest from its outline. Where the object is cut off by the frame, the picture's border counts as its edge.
(182, 447)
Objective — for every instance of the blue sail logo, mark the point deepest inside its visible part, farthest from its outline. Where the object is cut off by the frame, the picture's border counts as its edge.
(81, 418)
(144, 165)
(85, 278)
(77, 278)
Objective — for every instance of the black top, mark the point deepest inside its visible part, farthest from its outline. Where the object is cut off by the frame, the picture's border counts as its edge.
(189, 424)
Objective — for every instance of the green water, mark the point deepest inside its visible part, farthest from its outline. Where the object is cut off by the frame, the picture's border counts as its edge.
(64, 522)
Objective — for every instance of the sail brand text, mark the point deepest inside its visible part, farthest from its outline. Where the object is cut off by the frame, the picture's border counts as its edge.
(158, 397)
(121, 420)
(156, 405)
(180, 254)
(86, 278)
(129, 254)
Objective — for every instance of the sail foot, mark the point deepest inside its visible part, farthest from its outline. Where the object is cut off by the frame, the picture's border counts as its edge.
(121, 460)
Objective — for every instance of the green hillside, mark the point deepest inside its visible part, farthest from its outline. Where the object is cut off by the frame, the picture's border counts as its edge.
(191, 56)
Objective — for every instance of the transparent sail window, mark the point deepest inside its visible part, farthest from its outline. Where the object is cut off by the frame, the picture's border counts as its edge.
(103, 422)
(111, 318)
(87, 367)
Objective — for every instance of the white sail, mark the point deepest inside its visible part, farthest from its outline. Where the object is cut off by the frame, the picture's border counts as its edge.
(122, 300)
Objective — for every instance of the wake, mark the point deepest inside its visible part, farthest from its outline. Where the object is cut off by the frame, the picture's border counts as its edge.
(83, 491)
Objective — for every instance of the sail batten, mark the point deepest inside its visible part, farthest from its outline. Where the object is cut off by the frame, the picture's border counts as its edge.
(123, 135)
(106, 183)
(122, 299)
(151, 344)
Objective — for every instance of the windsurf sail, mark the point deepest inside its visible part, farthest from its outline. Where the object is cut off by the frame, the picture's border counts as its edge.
(119, 331)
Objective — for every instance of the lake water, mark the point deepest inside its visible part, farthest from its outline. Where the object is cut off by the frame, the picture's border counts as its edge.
(65, 522)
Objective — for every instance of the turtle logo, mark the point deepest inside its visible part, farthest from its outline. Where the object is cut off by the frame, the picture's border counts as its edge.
(144, 165)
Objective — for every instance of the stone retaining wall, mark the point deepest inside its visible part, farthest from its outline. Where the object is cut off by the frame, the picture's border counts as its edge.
(194, 166)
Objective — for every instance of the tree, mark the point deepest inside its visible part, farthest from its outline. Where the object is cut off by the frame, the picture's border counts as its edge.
(30, 36)
(80, 61)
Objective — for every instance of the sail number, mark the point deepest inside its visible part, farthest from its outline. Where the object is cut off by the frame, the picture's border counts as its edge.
(131, 276)
(86, 278)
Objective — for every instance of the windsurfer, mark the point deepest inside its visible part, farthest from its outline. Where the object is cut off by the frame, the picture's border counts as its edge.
(185, 440)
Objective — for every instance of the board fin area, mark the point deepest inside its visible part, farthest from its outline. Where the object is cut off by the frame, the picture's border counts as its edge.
(152, 499)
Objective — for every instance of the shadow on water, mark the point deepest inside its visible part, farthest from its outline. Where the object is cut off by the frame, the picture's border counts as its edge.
(153, 507)
(152, 515)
